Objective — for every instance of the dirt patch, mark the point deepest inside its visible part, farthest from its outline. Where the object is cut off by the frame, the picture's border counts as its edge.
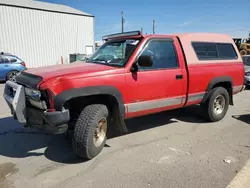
(6, 170)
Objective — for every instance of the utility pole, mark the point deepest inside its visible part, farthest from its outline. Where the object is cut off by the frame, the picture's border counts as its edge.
(153, 26)
(122, 22)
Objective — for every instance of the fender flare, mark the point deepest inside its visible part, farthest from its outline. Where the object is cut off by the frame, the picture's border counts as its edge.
(217, 80)
(66, 95)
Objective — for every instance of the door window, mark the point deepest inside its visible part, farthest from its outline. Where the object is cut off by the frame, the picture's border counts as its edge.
(13, 60)
(163, 54)
(3, 60)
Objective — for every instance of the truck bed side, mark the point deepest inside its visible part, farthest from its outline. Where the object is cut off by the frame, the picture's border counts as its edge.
(203, 75)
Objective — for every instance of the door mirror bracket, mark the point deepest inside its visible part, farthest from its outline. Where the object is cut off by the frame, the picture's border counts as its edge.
(143, 61)
(134, 67)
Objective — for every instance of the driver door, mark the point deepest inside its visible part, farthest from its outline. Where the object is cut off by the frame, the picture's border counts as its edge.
(159, 87)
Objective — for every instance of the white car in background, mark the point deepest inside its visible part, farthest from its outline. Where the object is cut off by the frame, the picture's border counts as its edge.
(246, 61)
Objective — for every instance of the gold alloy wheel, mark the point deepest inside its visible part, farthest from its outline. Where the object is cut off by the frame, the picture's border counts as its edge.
(100, 132)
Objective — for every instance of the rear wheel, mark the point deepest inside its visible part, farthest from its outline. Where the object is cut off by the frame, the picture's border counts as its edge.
(216, 106)
(11, 76)
(90, 132)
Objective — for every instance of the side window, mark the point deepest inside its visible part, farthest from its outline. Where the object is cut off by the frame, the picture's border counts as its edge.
(205, 51)
(226, 51)
(163, 54)
(213, 51)
(3, 60)
(13, 60)
(6, 60)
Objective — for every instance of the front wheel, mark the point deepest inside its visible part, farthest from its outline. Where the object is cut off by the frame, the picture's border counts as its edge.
(90, 132)
(216, 106)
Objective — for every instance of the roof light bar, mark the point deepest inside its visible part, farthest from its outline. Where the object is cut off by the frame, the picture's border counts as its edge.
(125, 34)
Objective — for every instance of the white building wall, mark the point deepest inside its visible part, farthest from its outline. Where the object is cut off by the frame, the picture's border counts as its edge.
(41, 38)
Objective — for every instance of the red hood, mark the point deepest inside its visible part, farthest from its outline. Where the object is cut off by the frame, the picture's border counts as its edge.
(79, 68)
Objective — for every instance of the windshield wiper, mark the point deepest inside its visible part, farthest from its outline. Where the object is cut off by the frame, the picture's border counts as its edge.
(99, 60)
(105, 62)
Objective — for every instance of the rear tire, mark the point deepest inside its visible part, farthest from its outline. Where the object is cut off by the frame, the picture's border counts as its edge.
(11, 76)
(90, 132)
(216, 106)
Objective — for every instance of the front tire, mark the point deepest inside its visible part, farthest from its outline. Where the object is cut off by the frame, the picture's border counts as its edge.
(216, 106)
(90, 132)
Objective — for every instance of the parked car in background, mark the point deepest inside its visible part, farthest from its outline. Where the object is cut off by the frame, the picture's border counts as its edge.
(246, 60)
(10, 66)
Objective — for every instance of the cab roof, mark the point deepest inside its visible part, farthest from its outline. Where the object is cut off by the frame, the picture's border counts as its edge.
(186, 40)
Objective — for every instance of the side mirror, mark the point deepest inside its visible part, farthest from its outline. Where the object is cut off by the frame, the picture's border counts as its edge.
(145, 61)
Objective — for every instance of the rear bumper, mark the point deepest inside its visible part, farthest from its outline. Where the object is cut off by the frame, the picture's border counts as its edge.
(54, 122)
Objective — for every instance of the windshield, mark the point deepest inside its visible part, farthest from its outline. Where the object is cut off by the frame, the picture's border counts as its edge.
(246, 60)
(114, 53)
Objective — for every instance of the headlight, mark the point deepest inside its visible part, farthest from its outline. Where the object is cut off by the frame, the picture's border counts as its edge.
(33, 94)
(247, 73)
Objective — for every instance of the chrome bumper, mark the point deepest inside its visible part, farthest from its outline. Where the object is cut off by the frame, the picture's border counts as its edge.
(54, 122)
(14, 94)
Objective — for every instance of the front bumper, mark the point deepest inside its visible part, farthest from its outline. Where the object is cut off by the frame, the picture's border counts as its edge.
(30, 116)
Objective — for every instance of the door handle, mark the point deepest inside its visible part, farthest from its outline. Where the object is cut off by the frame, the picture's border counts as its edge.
(179, 77)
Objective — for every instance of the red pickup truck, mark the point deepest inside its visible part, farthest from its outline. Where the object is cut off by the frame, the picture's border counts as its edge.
(130, 75)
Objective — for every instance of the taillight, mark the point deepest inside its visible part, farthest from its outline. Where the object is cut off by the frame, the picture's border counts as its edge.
(23, 64)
